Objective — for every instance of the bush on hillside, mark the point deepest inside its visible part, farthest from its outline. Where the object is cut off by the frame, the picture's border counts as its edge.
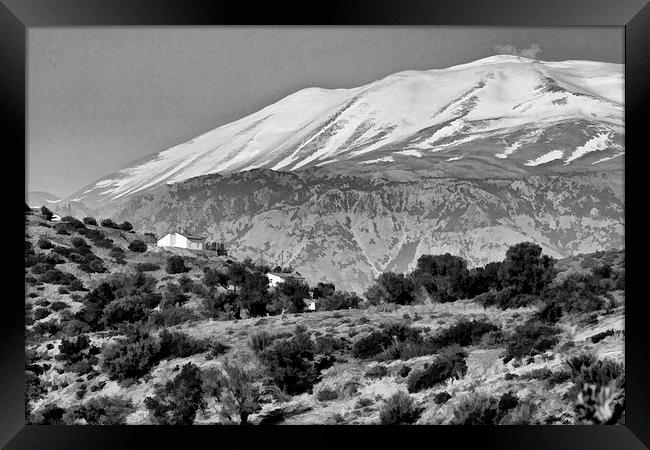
(138, 246)
(464, 332)
(44, 243)
(338, 300)
(90, 221)
(531, 338)
(108, 223)
(46, 213)
(399, 409)
(176, 264)
(126, 226)
(102, 410)
(177, 401)
(290, 362)
(130, 357)
(147, 267)
(449, 363)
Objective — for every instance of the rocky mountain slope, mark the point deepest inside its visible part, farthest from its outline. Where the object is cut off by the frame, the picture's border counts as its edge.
(502, 115)
(348, 229)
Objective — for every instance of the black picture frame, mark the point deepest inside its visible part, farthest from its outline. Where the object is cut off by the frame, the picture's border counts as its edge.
(16, 16)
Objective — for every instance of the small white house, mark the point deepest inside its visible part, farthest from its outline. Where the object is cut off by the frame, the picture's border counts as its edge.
(182, 241)
(56, 218)
(279, 278)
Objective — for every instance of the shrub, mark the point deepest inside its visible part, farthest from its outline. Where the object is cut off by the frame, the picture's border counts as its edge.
(118, 255)
(290, 362)
(531, 338)
(587, 370)
(97, 236)
(138, 246)
(48, 414)
(364, 402)
(90, 221)
(464, 332)
(146, 267)
(377, 371)
(450, 363)
(126, 309)
(177, 401)
(173, 296)
(259, 340)
(339, 300)
(59, 305)
(476, 409)
(213, 277)
(46, 213)
(130, 358)
(171, 316)
(100, 411)
(41, 313)
(180, 345)
(76, 285)
(126, 226)
(326, 394)
(399, 409)
(602, 335)
(44, 243)
(441, 397)
(108, 223)
(176, 264)
(379, 341)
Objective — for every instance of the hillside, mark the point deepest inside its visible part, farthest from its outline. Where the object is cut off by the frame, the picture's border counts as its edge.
(348, 228)
(449, 359)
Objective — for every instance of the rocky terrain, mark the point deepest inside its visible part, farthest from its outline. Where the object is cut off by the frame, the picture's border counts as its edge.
(348, 229)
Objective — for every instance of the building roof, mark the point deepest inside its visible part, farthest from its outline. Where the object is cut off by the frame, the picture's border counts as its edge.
(286, 275)
(191, 237)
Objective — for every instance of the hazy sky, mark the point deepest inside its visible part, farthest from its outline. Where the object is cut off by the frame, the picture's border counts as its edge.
(100, 98)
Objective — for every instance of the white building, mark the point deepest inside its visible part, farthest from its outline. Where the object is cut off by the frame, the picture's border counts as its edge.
(182, 241)
(279, 278)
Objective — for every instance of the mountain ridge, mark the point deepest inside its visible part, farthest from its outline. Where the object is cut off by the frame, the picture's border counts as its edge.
(539, 116)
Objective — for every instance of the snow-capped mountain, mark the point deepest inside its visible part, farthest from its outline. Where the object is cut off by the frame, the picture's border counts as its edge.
(508, 112)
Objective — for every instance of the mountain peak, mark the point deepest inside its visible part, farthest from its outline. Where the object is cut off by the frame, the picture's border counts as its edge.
(504, 111)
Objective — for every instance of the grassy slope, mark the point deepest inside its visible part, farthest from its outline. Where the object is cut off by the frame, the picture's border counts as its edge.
(486, 370)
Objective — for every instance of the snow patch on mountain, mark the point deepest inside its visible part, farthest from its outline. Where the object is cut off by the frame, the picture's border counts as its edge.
(546, 158)
(598, 143)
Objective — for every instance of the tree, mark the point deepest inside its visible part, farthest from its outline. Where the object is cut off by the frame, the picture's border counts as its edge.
(108, 223)
(526, 268)
(177, 401)
(391, 287)
(237, 389)
(126, 226)
(323, 290)
(176, 264)
(290, 362)
(138, 246)
(90, 221)
(291, 295)
(46, 213)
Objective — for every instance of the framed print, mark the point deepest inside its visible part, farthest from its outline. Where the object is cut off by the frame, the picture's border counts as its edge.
(377, 222)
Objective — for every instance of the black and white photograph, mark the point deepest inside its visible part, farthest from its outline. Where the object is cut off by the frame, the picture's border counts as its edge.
(325, 225)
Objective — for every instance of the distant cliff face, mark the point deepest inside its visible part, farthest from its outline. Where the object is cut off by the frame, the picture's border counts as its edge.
(347, 229)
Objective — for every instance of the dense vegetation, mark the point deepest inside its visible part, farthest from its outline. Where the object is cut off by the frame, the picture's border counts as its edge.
(103, 302)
